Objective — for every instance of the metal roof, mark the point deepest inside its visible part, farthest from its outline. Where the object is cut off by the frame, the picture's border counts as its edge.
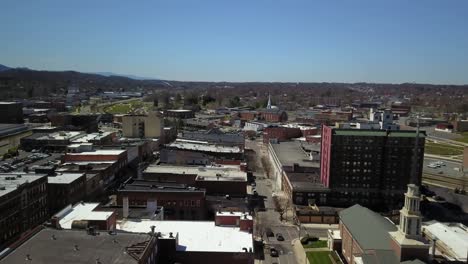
(369, 229)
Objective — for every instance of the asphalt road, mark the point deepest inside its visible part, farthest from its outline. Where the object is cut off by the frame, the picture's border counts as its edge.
(451, 168)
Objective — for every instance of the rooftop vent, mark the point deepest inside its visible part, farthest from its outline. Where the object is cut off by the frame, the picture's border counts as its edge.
(28, 257)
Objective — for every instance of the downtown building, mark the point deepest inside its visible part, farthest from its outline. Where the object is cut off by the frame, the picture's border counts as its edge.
(369, 167)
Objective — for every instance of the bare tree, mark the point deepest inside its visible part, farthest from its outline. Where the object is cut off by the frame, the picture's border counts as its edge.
(266, 166)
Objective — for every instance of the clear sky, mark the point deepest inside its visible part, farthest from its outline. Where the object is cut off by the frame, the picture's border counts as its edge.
(242, 40)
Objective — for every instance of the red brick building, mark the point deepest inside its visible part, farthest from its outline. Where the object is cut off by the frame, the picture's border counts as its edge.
(23, 205)
(221, 180)
(179, 201)
(279, 134)
(273, 115)
(248, 115)
(366, 235)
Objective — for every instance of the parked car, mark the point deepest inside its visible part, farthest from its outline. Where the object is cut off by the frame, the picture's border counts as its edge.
(279, 237)
(269, 233)
(274, 252)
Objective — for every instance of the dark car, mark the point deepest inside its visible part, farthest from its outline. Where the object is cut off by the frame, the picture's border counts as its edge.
(269, 233)
(274, 252)
(279, 237)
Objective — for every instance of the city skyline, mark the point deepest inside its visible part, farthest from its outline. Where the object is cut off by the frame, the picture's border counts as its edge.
(394, 42)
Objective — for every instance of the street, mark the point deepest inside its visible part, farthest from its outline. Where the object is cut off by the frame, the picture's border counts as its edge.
(270, 219)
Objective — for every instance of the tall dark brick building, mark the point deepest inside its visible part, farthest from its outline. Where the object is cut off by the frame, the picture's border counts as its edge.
(23, 205)
(12, 113)
(369, 167)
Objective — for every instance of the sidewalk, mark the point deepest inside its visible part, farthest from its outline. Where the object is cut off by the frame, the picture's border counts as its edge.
(320, 226)
(299, 252)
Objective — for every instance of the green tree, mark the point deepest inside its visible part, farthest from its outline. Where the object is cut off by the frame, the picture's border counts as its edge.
(234, 102)
(178, 99)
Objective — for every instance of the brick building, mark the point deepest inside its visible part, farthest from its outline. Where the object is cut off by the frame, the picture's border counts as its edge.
(23, 205)
(280, 133)
(78, 246)
(248, 115)
(218, 179)
(56, 141)
(226, 240)
(65, 189)
(179, 200)
(12, 113)
(369, 167)
(273, 115)
(367, 236)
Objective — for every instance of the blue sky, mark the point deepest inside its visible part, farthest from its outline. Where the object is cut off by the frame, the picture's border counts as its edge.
(252, 40)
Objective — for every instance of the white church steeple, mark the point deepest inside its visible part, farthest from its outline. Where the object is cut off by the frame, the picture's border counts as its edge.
(269, 102)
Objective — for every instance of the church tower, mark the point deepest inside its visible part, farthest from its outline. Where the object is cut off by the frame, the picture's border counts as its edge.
(269, 102)
(408, 239)
(410, 215)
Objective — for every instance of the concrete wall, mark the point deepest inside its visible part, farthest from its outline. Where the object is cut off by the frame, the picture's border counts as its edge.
(12, 141)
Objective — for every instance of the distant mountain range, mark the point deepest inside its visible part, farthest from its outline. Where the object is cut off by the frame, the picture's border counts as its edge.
(32, 83)
(106, 74)
(4, 68)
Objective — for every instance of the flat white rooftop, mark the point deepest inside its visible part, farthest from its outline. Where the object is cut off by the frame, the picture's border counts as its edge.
(64, 178)
(81, 211)
(12, 181)
(195, 235)
(204, 146)
(455, 237)
(99, 152)
(204, 173)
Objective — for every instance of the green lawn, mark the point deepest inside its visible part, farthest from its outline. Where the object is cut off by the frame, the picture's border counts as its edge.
(319, 257)
(464, 138)
(442, 149)
(124, 108)
(316, 244)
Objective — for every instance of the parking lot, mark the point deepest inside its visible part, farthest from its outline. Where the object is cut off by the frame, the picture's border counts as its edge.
(28, 159)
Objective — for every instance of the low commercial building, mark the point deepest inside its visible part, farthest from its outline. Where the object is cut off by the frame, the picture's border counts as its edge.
(98, 155)
(76, 122)
(277, 134)
(296, 173)
(254, 126)
(214, 179)
(210, 149)
(227, 239)
(23, 205)
(64, 189)
(56, 141)
(179, 113)
(179, 200)
(11, 135)
(53, 246)
(448, 240)
(100, 175)
(215, 136)
(84, 216)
